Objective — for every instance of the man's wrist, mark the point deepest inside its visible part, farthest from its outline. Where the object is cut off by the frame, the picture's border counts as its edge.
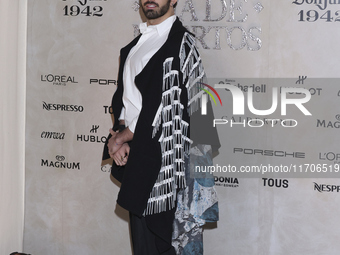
(118, 141)
(119, 138)
(124, 136)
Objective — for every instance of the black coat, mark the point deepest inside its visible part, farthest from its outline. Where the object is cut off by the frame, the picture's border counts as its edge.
(140, 173)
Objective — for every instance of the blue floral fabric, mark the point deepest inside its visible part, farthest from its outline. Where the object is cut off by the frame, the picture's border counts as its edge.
(196, 204)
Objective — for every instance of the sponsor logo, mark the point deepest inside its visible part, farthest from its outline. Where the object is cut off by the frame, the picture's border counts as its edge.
(91, 138)
(106, 168)
(330, 156)
(275, 183)
(229, 182)
(104, 82)
(60, 80)
(326, 187)
(60, 163)
(52, 135)
(312, 91)
(321, 14)
(329, 123)
(321, 4)
(301, 79)
(269, 153)
(62, 107)
(253, 88)
(83, 8)
(262, 88)
(108, 109)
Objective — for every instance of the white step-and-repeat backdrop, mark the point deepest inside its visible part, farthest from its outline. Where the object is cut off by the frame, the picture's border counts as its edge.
(261, 46)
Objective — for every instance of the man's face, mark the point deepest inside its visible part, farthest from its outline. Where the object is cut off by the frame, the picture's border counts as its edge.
(154, 9)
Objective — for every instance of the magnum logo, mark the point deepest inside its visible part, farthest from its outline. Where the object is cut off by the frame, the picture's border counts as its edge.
(60, 163)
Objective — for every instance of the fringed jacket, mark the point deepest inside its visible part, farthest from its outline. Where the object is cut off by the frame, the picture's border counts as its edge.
(170, 85)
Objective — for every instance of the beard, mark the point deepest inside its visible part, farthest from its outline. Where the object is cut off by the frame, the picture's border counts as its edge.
(153, 14)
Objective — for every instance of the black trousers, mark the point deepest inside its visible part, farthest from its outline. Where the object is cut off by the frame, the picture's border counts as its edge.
(143, 240)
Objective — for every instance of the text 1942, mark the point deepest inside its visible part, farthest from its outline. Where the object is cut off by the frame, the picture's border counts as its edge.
(75, 10)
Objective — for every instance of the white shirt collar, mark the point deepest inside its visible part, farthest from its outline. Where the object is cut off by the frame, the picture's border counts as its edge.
(161, 28)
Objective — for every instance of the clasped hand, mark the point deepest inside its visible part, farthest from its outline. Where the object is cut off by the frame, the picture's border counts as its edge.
(119, 152)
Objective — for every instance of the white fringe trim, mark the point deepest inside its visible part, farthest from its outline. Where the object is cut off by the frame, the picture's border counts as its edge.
(174, 139)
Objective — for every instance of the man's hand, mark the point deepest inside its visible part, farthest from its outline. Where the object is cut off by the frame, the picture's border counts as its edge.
(112, 144)
(121, 156)
(118, 139)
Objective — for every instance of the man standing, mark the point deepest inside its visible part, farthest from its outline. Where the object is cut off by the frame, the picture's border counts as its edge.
(159, 87)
